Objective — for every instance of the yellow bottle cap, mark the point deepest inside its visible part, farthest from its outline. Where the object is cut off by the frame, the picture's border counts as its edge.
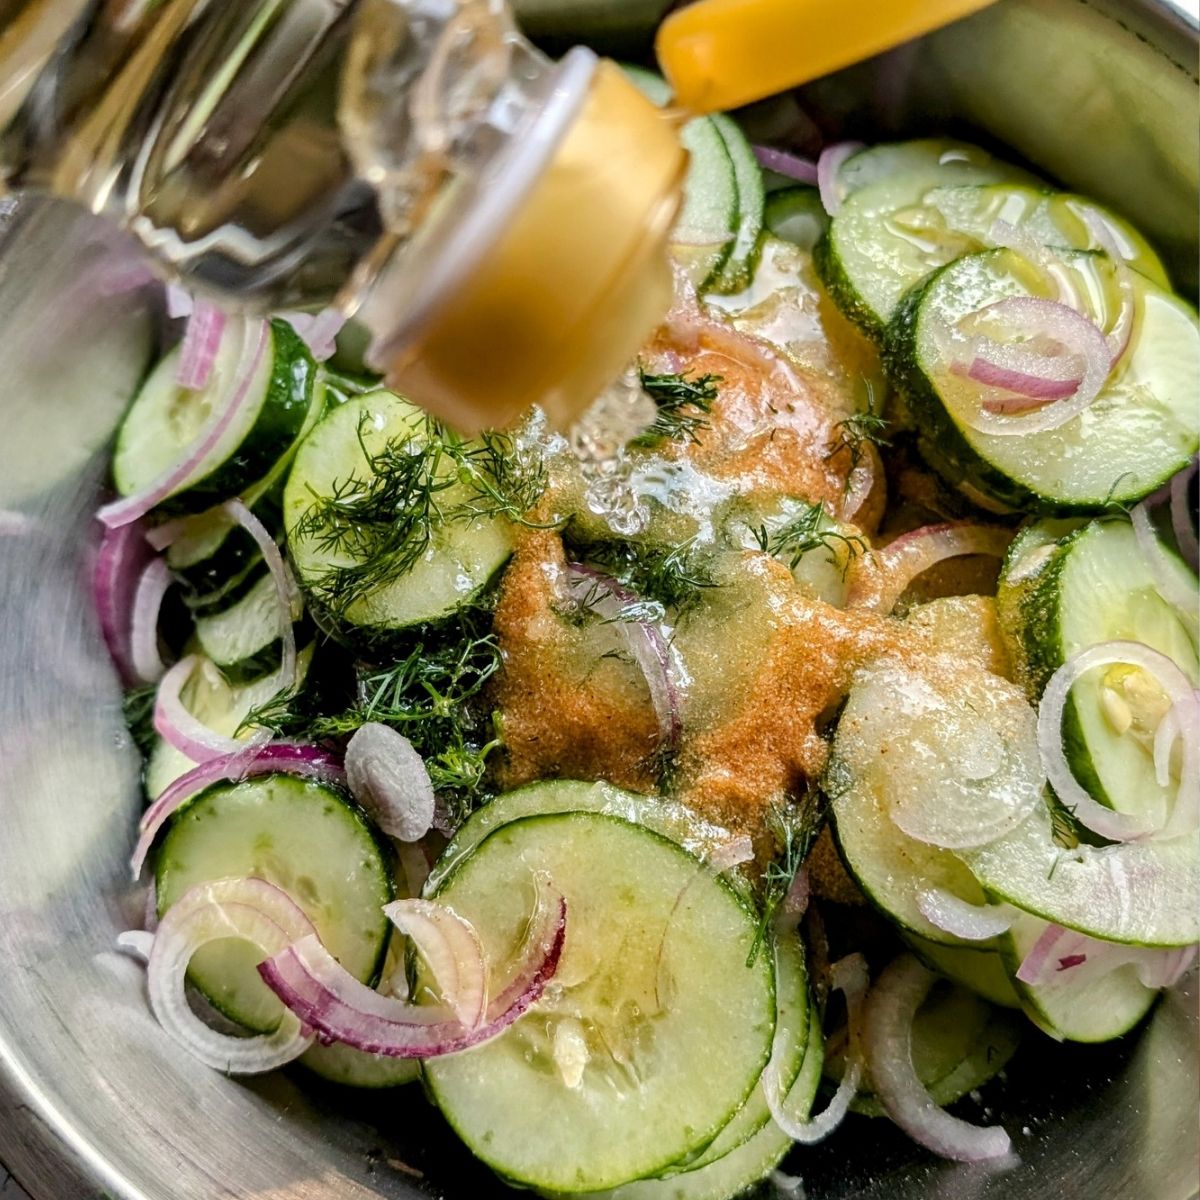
(538, 280)
(720, 54)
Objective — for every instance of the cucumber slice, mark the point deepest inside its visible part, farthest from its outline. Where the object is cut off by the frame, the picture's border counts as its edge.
(737, 1172)
(213, 550)
(243, 640)
(1093, 585)
(304, 837)
(879, 244)
(1078, 1005)
(1139, 893)
(902, 737)
(959, 1042)
(667, 818)
(738, 269)
(165, 419)
(464, 551)
(1051, 218)
(652, 984)
(341, 1064)
(980, 970)
(929, 156)
(220, 704)
(796, 215)
(1135, 436)
(792, 1017)
(707, 227)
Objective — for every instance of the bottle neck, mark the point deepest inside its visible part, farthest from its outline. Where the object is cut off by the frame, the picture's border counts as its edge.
(266, 151)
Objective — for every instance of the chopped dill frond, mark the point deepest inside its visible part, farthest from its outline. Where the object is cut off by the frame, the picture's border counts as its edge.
(671, 578)
(859, 430)
(383, 520)
(683, 406)
(794, 828)
(432, 693)
(805, 533)
(137, 705)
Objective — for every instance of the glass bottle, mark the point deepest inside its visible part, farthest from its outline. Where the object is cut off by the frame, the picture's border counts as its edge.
(496, 220)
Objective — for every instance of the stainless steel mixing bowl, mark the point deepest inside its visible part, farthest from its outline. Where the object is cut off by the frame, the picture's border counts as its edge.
(94, 1100)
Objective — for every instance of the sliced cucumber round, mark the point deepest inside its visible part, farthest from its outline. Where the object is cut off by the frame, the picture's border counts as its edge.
(222, 705)
(667, 818)
(794, 1011)
(1050, 218)
(1078, 1004)
(342, 1064)
(931, 157)
(980, 970)
(880, 242)
(796, 215)
(905, 739)
(1139, 431)
(1092, 584)
(165, 419)
(959, 1042)
(213, 549)
(736, 1173)
(737, 270)
(1139, 893)
(654, 978)
(456, 554)
(244, 639)
(708, 224)
(307, 839)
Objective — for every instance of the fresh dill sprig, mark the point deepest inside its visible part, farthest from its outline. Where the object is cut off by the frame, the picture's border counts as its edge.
(671, 577)
(433, 694)
(805, 533)
(137, 706)
(859, 430)
(794, 828)
(683, 406)
(383, 520)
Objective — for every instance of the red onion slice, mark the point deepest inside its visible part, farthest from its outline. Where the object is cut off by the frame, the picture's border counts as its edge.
(1121, 827)
(731, 854)
(318, 330)
(656, 657)
(240, 393)
(971, 922)
(179, 301)
(248, 909)
(881, 578)
(802, 170)
(891, 1008)
(330, 1000)
(295, 758)
(121, 561)
(137, 943)
(1173, 588)
(143, 641)
(1065, 958)
(190, 736)
(1035, 381)
(391, 782)
(1181, 517)
(849, 976)
(201, 341)
(450, 947)
(286, 591)
(828, 166)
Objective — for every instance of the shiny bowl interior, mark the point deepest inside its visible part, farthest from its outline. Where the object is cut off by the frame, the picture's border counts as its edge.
(94, 1101)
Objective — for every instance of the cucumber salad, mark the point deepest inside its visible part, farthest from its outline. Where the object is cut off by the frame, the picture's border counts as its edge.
(659, 810)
